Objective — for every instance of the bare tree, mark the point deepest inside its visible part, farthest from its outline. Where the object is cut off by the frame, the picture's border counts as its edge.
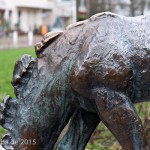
(132, 7)
(143, 2)
(110, 5)
(137, 7)
(123, 7)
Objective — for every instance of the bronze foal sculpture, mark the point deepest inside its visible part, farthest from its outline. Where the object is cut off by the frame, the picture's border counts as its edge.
(93, 71)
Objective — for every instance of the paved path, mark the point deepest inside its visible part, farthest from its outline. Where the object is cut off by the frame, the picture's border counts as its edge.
(7, 42)
(1, 148)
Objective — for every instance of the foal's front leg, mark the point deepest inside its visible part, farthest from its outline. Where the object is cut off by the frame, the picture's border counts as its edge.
(119, 115)
(81, 127)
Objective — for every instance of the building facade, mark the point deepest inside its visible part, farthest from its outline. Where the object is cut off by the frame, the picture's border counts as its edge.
(28, 15)
(2, 10)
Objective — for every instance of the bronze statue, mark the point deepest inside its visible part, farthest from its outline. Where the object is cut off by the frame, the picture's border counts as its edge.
(93, 71)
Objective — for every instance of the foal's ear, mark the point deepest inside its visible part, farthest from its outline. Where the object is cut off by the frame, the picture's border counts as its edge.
(22, 72)
(47, 39)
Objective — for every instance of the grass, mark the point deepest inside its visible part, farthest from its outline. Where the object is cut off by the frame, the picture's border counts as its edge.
(7, 62)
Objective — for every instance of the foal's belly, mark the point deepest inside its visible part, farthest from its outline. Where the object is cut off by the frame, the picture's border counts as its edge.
(141, 79)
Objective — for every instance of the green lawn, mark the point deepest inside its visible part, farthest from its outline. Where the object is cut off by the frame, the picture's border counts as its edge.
(7, 62)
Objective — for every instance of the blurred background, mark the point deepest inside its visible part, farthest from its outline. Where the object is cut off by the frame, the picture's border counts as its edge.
(24, 22)
(21, 20)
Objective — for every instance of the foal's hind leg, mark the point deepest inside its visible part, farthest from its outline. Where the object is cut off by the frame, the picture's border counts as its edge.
(81, 127)
(119, 115)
